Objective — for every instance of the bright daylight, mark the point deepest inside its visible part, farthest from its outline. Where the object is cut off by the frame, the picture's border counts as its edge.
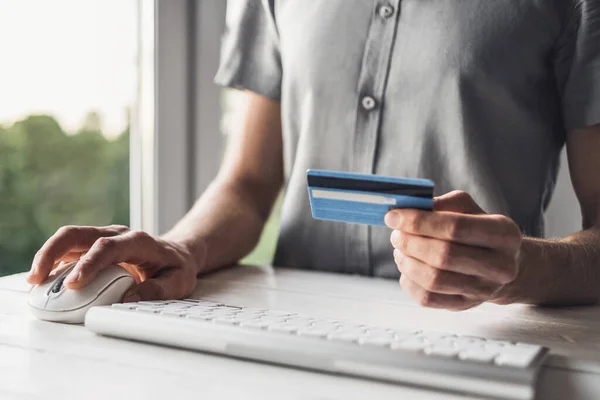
(66, 92)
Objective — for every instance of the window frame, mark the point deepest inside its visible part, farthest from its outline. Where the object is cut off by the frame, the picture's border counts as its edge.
(175, 141)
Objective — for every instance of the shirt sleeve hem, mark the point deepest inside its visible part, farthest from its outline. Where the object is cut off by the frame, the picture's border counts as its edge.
(582, 115)
(232, 83)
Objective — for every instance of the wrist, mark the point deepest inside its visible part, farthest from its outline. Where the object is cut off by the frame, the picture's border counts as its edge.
(194, 249)
(528, 287)
(549, 274)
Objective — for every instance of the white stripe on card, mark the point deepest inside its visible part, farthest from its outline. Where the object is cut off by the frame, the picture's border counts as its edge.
(349, 196)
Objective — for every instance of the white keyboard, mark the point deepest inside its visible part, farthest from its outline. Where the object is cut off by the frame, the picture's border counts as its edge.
(435, 360)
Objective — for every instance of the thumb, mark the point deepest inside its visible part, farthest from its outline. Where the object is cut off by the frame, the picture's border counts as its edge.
(163, 286)
(457, 201)
(147, 290)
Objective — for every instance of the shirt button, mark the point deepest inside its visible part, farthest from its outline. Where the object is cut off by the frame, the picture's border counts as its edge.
(368, 103)
(386, 11)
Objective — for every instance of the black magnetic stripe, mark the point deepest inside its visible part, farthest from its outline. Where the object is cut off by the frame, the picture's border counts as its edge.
(370, 186)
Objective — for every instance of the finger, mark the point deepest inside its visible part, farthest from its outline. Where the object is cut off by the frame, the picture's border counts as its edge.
(69, 257)
(170, 283)
(444, 282)
(434, 300)
(490, 265)
(67, 239)
(491, 231)
(59, 269)
(59, 265)
(457, 201)
(133, 247)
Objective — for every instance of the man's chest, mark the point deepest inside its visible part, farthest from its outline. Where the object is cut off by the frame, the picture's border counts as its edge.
(509, 40)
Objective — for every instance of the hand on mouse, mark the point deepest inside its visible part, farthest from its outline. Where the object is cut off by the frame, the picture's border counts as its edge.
(456, 257)
(163, 269)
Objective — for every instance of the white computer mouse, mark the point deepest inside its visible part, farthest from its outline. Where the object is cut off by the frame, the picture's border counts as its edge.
(52, 301)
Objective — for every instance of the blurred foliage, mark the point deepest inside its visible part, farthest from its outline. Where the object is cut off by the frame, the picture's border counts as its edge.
(49, 179)
(265, 249)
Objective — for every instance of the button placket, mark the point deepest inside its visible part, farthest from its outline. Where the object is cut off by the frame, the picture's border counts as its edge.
(371, 87)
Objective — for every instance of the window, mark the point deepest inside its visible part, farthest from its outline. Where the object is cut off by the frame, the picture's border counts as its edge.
(68, 80)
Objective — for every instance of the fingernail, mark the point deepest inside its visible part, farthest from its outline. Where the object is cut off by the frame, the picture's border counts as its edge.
(73, 277)
(395, 237)
(398, 256)
(392, 219)
(33, 271)
(29, 277)
(131, 298)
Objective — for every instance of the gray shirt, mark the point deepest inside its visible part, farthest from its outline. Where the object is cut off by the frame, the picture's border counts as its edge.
(476, 95)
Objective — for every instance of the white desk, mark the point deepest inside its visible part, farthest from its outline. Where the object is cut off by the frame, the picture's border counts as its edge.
(41, 360)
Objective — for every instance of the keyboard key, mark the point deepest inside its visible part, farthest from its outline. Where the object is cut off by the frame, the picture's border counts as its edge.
(173, 313)
(380, 341)
(502, 343)
(467, 341)
(125, 306)
(351, 327)
(242, 316)
(312, 332)
(148, 310)
(199, 307)
(177, 306)
(203, 317)
(276, 314)
(257, 311)
(442, 351)
(432, 337)
(299, 322)
(412, 344)
(272, 320)
(210, 303)
(283, 328)
(152, 303)
(222, 313)
(478, 354)
(226, 320)
(149, 306)
(198, 302)
(495, 347)
(325, 326)
(401, 335)
(520, 356)
(350, 336)
(255, 324)
(379, 332)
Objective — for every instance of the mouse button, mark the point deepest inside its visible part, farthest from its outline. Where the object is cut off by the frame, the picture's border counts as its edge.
(39, 295)
(114, 292)
(56, 283)
(67, 300)
(37, 298)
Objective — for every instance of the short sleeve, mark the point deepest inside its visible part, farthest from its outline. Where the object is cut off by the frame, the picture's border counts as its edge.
(577, 65)
(250, 57)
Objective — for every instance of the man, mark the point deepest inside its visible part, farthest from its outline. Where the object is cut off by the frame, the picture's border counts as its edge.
(477, 95)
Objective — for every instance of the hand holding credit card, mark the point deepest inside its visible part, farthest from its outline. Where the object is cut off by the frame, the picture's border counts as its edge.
(364, 199)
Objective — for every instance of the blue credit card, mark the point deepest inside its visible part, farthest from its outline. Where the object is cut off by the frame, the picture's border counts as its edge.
(364, 199)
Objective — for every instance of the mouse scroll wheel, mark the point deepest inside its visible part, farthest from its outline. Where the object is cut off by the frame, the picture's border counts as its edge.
(58, 285)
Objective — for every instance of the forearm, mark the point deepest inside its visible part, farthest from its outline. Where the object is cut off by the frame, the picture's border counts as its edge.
(558, 272)
(225, 223)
